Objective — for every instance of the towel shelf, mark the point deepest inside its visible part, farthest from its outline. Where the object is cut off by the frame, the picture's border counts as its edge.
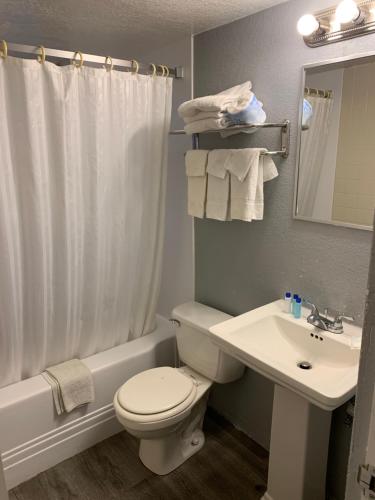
(285, 135)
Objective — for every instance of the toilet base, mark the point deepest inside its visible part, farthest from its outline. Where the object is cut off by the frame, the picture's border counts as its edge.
(163, 455)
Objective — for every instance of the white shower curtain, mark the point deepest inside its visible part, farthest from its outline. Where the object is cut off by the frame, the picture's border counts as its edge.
(83, 175)
(313, 150)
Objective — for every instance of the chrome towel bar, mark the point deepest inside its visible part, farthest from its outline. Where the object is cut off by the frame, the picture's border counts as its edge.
(285, 136)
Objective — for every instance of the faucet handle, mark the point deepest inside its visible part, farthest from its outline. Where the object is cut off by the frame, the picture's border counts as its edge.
(337, 326)
(314, 308)
(341, 316)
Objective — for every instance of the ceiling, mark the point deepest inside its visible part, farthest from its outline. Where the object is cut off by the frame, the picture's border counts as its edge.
(112, 26)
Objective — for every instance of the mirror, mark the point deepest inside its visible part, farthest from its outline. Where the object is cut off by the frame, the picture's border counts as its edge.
(335, 180)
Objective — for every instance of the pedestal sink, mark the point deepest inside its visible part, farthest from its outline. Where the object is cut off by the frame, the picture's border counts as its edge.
(314, 371)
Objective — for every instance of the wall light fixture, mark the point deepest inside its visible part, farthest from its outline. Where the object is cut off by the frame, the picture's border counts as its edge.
(348, 19)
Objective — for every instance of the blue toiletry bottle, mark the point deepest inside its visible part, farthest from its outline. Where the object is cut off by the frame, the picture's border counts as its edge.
(297, 308)
(295, 297)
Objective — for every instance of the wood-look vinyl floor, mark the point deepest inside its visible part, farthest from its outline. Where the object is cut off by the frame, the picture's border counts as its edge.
(229, 466)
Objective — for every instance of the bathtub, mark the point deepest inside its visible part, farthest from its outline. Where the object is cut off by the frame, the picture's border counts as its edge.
(34, 438)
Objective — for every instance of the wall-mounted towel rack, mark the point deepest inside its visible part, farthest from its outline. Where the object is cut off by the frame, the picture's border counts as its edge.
(285, 135)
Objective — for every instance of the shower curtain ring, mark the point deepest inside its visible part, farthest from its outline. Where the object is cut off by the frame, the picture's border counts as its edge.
(153, 69)
(108, 63)
(77, 64)
(166, 71)
(163, 68)
(4, 49)
(135, 63)
(42, 56)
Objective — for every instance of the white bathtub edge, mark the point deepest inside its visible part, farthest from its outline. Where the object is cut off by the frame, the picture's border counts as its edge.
(34, 438)
(42, 453)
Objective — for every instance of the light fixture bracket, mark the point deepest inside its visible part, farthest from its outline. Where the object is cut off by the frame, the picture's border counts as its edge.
(363, 25)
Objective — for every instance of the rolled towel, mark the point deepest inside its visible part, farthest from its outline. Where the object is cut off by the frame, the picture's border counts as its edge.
(232, 100)
(217, 206)
(196, 163)
(247, 198)
(252, 114)
(71, 383)
(223, 121)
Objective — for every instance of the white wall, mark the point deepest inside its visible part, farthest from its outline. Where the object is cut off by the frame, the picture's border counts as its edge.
(177, 284)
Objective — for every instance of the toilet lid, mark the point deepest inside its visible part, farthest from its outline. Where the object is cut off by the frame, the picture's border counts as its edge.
(155, 391)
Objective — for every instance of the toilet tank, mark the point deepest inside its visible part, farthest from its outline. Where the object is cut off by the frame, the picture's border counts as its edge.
(195, 347)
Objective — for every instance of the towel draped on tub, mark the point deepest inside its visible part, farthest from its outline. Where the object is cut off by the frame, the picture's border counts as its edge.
(71, 383)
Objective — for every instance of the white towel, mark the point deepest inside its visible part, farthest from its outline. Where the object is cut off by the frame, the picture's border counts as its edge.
(196, 163)
(232, 100)
(217, 206)
(247, 199)
(198, 126)
(240, 161)
(71, 384)
(204, 115)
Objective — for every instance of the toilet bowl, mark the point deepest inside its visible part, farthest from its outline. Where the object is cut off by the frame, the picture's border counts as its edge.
(170, 425)
(164, 407)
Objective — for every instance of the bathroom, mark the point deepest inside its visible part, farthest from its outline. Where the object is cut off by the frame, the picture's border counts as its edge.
(108, 79)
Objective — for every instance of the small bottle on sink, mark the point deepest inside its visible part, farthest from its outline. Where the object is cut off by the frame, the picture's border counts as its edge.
(288, 302)
(297, 307)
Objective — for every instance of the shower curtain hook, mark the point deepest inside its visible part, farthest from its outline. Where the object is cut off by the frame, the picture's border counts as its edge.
(4, 49)
(166, 70)
(153, 69)
(78, 64)
(42, 56)
(135, 63)
(108, 63)
(163, 68)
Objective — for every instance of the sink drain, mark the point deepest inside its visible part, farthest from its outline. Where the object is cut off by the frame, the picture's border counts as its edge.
(304, 365)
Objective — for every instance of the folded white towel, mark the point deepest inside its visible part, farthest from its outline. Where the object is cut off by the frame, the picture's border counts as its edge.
(232, 100)
(217, 162)
(198, 126)
(71, 384)
(196, 164)
(247, 199)
(217, 206)
(240, 161)
(204, 115)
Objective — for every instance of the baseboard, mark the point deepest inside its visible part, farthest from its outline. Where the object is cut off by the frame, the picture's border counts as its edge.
(45, 451)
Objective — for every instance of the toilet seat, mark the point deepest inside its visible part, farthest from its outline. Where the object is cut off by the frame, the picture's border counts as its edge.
(156, 394)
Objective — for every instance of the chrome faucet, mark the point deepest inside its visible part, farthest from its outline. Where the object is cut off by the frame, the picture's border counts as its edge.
(324, 323)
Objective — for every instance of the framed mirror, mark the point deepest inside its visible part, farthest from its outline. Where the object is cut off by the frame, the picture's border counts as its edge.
(335, 180)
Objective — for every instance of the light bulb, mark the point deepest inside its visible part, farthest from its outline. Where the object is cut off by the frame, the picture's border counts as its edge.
(335, 25)
(347, 11)
(307, 24)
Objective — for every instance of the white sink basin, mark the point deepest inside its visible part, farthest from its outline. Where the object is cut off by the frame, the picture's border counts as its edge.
(272, 342)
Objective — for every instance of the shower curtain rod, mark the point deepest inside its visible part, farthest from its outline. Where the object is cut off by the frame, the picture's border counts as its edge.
(318, 92)
(90, 59)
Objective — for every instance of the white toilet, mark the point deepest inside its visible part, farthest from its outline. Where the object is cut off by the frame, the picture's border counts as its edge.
(164, 407)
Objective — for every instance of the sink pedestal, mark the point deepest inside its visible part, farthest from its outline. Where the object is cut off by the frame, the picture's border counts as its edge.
(299, 448)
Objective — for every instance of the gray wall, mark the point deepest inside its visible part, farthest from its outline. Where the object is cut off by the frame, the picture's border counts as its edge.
(239, 265)
(177, 282)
